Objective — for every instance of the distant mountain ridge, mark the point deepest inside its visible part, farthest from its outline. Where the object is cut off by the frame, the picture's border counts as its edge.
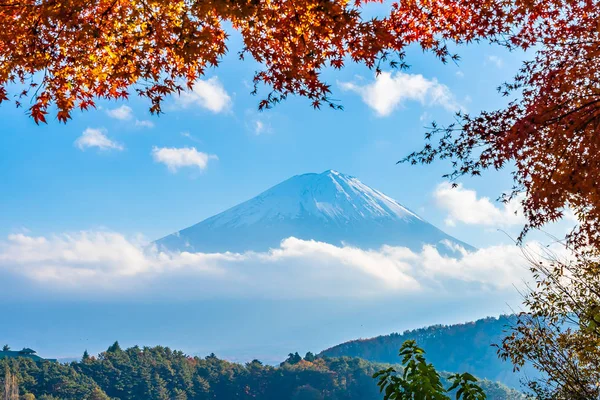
(331, 207)
(454, 348)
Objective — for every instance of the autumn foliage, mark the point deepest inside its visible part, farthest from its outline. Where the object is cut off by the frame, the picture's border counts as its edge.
(68, 53)
(550, 130)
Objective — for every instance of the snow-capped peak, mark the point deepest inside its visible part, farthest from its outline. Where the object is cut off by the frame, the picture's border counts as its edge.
(330, 196)
(329, 207)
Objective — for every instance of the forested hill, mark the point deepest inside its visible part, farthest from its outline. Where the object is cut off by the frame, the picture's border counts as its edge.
(454, 348)
(159, 373)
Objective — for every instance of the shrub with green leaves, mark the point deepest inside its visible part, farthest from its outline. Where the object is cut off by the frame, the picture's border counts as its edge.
(419, 380)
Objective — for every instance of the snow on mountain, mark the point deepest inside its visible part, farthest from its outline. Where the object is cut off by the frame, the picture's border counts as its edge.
(330, 207)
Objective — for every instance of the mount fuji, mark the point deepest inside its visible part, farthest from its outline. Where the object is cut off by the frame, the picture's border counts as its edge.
(329, 207)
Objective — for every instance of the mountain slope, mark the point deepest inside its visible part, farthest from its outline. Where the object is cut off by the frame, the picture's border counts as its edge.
(329, 207)
(454, 348)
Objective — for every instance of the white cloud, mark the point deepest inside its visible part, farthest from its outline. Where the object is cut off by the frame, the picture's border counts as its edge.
(258, 124)
(460, 74)
(175, 158)
(122, 113)
(96, 138)
(209, 94)
(259, 127)
(497, 61)
(107, 263)
(464, 206)
(144, 123)
(191, 137)
(390, 91)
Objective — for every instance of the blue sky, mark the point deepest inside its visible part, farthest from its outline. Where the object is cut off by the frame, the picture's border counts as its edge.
(51, 185)
(78, 201)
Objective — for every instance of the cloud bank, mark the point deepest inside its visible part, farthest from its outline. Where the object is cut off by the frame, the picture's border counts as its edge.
(107, 264)
(390, 91)
(464, 206)
(122, 113)
(176, 158)
(209, 94)
(97, 138)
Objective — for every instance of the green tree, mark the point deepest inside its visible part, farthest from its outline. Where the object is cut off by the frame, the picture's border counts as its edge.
(180, 395)
(115, 347)
(98, 394)
(293, 359)
(11, 387)
(309, 357)
(466, 387)
(307, 392)
(420, 380)
(6, 347)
